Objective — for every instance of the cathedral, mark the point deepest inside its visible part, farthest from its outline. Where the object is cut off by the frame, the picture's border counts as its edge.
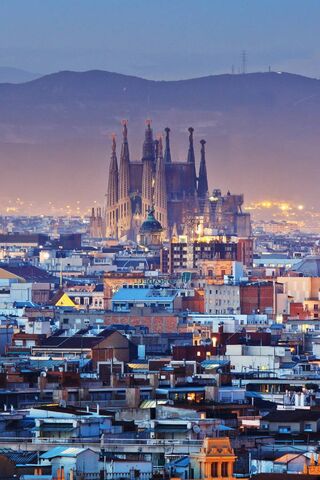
(178, 196)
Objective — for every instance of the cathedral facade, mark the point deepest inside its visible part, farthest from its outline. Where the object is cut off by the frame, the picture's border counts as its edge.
(175, 192)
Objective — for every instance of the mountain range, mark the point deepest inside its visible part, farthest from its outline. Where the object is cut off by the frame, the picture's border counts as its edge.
(262, 132)
(16, 75)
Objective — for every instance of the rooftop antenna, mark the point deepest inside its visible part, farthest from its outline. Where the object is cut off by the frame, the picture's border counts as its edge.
(244, 61)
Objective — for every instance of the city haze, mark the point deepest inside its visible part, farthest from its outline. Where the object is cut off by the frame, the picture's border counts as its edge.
(261, 129)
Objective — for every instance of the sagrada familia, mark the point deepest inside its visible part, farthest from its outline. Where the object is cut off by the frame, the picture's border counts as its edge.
(175, 192)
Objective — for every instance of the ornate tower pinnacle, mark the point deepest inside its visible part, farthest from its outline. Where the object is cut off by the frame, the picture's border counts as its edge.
(156, 146)
(114, 144)
(191, 160)
(203, 179)
(203, 189)
(160, 147)
(167, 152)
(191, 157)
(148, 152)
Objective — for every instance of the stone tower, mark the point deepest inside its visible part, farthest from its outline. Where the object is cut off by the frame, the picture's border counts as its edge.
(148, 160)
(112, 195)
(160, 191)
(190, 198)
(124, 204)
(203, 184)
(203, 179)
(191, 158)
(167, 152)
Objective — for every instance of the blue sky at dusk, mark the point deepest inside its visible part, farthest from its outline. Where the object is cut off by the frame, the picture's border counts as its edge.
(163, 39)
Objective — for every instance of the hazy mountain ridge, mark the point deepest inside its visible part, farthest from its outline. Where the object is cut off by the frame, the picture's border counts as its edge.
(258, 128)
(16, 75)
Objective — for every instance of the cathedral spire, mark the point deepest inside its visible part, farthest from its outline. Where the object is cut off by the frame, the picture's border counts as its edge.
(124, 205)
(112, 193)
(191, 157)
(167, 152)
(148, 152)
(125, 146)
(191, 161)
(203, 179)
(124, 184)
(156, 144)
(160, 190)
(113, 159)
(160, 147)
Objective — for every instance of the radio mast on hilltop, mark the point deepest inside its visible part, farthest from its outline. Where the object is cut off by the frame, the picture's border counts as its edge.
(244, 61)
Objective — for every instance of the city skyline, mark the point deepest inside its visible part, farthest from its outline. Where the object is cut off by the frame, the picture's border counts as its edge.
(159, 240)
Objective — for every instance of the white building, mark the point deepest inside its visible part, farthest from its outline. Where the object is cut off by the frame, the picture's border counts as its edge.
(252, 358)
(229, 323)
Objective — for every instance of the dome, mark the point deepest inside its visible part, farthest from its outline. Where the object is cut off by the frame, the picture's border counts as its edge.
(151, 224)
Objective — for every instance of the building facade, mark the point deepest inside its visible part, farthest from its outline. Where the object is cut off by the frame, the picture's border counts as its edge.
(179, 196)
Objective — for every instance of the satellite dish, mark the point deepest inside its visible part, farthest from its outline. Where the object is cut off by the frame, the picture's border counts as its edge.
(196, 428)
(189, 379)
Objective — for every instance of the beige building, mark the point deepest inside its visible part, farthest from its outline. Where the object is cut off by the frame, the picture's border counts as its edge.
(301, 288)
(222, 299)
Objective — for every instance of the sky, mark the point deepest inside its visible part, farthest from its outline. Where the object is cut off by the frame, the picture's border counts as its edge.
(160, 39)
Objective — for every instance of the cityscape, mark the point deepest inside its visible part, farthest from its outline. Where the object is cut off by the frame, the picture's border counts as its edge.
(159, 240)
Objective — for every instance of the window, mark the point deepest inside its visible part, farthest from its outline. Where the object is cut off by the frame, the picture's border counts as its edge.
(284, 429)
(307, 427)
